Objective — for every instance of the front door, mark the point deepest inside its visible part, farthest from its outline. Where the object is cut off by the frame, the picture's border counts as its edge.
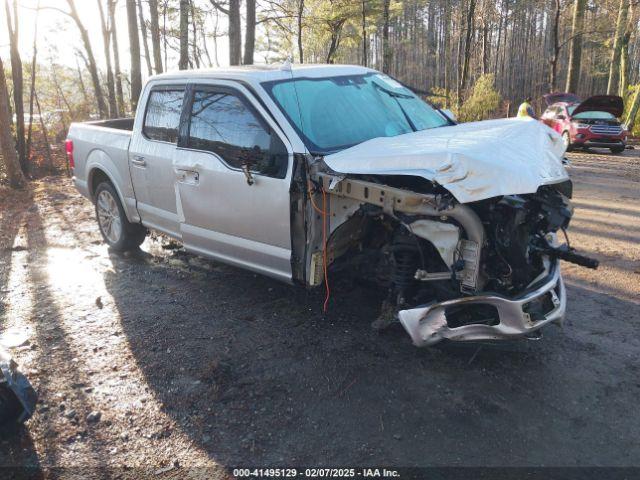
(233, 170)
(151, 154)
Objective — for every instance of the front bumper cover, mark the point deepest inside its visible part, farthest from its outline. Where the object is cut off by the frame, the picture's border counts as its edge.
(428, 325)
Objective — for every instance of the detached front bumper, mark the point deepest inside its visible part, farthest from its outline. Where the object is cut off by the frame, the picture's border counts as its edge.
(428, 325)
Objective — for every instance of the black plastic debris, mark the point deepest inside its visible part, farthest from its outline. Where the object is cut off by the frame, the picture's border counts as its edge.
(17, 396)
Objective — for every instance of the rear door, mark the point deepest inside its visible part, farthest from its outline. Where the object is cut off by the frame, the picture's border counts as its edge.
(153, 147)
(240, 217)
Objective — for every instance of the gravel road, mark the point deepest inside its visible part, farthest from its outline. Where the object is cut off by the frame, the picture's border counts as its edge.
(166, 364)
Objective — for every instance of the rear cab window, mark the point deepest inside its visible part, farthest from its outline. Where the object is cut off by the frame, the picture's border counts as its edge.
(162, 115)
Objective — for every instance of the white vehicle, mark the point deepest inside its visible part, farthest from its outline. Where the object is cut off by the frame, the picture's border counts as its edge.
(304, 172)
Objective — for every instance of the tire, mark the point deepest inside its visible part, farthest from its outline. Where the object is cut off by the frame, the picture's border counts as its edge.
(120, 234)
(566, 138)
(617, 149)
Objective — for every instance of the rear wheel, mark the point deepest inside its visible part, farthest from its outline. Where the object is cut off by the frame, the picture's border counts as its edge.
(617, 149)
(566, 139)
(117, 231)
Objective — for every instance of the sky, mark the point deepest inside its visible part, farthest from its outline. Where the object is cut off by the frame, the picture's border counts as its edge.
(58, 36)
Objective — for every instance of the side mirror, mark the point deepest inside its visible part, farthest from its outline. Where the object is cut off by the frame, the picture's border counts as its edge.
(449, 114)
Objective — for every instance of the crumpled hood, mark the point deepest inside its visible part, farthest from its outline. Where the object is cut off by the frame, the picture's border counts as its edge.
(474, 161)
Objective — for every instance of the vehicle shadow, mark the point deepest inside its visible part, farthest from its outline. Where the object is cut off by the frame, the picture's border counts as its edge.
(256, 375)
(18, 457)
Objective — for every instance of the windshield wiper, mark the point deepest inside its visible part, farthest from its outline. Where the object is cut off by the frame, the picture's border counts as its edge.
(396, 96)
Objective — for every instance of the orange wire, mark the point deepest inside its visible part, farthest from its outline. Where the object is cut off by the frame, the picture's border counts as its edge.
(323, 212)
(324, 253)
(313, 204)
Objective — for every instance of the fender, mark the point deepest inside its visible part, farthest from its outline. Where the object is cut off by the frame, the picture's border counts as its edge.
(98, 160)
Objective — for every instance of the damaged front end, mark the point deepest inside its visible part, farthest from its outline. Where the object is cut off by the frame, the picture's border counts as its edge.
(484, 270)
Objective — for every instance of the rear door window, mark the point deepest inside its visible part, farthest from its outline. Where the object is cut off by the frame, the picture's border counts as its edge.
(162, 117)
(223, 123)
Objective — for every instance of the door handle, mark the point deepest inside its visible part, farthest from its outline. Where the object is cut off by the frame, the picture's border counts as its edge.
(139, 161)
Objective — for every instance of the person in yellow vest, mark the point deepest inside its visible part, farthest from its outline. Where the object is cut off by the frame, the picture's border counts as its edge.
(526, 110)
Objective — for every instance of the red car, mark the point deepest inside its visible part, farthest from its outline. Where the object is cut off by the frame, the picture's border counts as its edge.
(590, 123)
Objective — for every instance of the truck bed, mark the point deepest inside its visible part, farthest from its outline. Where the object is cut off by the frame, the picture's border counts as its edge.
(103, 144)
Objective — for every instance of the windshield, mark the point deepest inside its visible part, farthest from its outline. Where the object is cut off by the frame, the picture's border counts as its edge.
(334, 113)
(592, 114)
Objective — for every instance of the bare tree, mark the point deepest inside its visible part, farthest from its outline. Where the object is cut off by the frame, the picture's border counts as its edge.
(106, 42)
(183, 64)
(145, 41)
(235, 34)
(386, 47)
(614, 68)
(467, 51)
(134, 45)
(575, 55)
(364, 32)
(155, 36)
(250, 32)
(553, 75)
(633, 111)
(34, 72)
(299, 29)
(45, 134)
(624, 50)
(116, 55)
(7, 149)
(90, 58)
(18, 82)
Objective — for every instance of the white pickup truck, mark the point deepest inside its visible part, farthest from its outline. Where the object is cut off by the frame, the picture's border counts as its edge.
(302, 173)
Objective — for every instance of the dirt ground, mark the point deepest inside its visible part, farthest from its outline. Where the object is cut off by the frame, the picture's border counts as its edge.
(194, 367)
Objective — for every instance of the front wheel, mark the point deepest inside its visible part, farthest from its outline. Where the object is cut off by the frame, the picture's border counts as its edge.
(566, 139)
(617, 149)
(117, 231)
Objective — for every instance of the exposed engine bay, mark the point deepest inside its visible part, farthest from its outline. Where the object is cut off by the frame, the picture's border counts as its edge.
(484, 270)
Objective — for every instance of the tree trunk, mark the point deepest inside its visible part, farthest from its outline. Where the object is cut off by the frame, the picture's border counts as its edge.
(624, 51)
(145, 41)
(194, 30)
(155, 36)
(250, 32)
(364, 33)
(447, 47)
(106, 41)
(386, 48)
(235, 35)
(18, 82)
(300, 16)
(183, 63)
(34, 72)
(134, 45)
(467, 52)
(336, 33)
(91, 61)
(83, 88)
(116, 56)
(614, 68)
(575, 55)
(7, 149)
(624, 65)
(553, 80)
(235, 29)
(633, 111)
(43, 126)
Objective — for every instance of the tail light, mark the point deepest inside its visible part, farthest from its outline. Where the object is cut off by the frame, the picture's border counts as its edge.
(69, 148)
